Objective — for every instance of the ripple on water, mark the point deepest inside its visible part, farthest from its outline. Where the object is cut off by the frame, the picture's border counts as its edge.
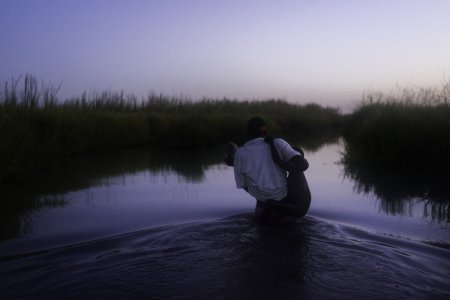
(233, 258)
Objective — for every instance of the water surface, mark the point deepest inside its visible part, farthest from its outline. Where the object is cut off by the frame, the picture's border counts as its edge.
(139, 224)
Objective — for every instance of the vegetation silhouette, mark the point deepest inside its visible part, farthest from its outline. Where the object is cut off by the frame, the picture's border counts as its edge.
(38, 131)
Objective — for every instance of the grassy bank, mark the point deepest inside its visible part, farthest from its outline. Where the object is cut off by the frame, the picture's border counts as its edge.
(35, 138)
(37, 130)
(410, 132)
(406, 132)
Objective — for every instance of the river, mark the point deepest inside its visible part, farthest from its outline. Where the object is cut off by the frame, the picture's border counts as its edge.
(139, 224)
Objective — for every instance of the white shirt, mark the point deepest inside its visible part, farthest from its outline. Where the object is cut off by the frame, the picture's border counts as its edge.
(255, 169)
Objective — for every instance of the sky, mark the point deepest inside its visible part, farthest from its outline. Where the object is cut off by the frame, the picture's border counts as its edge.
(326, 51)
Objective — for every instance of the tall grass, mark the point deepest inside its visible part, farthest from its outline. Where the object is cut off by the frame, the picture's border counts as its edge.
(408, 132)
(38, 130)
(31, 139)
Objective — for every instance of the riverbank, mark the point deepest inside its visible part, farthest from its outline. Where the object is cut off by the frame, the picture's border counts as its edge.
(38, 131)
(409, 132)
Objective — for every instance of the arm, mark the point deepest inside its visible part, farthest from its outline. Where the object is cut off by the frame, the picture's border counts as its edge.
(240, 178)
(227, 152)
(296, 163)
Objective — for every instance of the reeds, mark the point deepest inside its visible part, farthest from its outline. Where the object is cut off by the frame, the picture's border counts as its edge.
(408, 132)
(37, 130)
(31, 139)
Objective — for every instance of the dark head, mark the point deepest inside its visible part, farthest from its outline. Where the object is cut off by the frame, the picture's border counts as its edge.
(256, 127)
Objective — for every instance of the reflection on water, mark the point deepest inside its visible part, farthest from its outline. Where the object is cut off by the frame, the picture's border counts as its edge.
(19, 202)
(153, 185)
(399, 193)
(315, 141)
(149, 225)
(16, 209)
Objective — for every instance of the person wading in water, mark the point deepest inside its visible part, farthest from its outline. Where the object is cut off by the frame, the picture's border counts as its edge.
(261, 167)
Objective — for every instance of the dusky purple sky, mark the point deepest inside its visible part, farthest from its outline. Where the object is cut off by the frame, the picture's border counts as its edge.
(324, 51)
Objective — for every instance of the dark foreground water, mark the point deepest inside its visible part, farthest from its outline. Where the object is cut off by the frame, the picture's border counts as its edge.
(140, 225)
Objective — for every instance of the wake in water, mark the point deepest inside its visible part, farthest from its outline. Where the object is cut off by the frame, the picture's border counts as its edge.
(233, 259)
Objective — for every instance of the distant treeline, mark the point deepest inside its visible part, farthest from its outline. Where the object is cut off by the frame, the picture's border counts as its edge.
(37, 130)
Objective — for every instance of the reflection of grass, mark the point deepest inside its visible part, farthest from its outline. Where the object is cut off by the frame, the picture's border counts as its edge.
(398, 147)
(398, 191)
(315, 141)
(16, 208)
(83, 172)
(408, 132)
(37, 131)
